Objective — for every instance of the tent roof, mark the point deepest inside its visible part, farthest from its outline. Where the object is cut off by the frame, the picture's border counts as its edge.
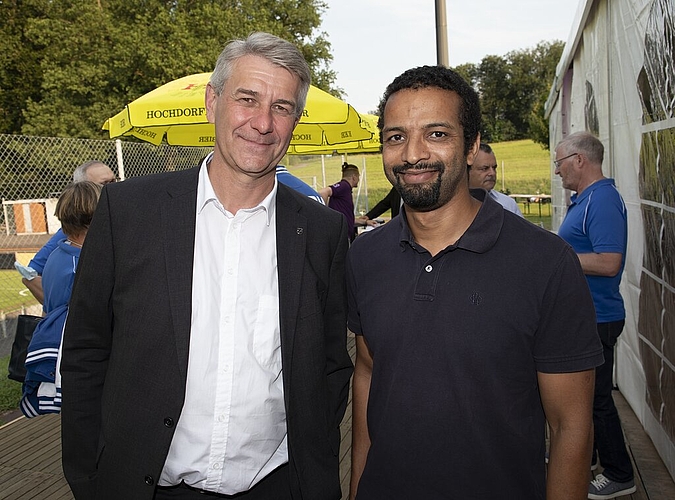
(577, 29)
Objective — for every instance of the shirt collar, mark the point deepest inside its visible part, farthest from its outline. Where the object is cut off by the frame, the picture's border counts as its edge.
(481, 235)
(578, 197)
(206, 194)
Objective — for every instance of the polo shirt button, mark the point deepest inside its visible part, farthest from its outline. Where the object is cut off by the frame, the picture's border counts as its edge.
(168, 422)
(429, 268)
(149, 480)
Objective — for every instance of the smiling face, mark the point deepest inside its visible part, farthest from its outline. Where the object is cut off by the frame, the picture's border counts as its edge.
(423, 146)
(483, 172)
(254, 116)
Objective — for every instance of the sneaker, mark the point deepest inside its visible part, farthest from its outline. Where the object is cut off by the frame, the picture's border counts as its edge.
(603, 487)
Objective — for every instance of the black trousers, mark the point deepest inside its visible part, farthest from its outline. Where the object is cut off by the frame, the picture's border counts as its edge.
(276, 486)
(609, 443)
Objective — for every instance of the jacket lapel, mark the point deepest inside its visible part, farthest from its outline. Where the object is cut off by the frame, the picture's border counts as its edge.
(291, 247)
(178, 228)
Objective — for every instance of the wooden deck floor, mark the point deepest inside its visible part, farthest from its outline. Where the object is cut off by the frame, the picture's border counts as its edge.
(30, 458)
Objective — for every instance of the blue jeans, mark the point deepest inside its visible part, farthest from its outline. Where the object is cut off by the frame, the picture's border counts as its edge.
(609, 442)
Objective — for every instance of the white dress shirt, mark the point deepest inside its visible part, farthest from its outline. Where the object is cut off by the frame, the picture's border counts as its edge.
(232, 429)
(505, 201)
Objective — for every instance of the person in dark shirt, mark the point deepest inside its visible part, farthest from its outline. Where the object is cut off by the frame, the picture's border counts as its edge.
(339, 195)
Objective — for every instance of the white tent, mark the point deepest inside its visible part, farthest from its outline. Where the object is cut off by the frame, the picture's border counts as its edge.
(616, 78)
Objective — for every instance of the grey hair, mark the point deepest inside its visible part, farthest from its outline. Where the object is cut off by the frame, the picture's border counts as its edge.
(586, 143)
(80, 173)
(270, 47)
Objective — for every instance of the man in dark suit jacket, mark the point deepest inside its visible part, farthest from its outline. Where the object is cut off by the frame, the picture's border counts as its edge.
(165, 346)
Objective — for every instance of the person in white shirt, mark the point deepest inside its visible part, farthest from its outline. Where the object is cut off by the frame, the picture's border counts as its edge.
(483, 175)
(205, 353)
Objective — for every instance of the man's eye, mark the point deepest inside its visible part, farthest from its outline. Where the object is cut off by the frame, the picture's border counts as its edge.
(284, 110)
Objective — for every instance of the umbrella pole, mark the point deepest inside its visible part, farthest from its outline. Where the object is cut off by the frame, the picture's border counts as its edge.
(365, 182)
(120, 159)
(323, 170)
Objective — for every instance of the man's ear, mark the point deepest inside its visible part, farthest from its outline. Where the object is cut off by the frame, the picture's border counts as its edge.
(471, 156)
(210, 98)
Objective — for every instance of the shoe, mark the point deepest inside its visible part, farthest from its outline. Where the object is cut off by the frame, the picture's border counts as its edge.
(603, 487)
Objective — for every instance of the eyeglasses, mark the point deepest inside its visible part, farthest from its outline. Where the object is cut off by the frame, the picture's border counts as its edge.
(558, 162)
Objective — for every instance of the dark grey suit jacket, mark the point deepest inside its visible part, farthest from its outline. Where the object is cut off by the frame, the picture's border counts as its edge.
(125, 349)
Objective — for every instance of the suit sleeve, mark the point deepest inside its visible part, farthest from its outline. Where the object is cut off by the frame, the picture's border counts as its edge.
(86, 350)
(339, 366)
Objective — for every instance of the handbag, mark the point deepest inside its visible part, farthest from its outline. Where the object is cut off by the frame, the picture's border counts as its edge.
(25, 325)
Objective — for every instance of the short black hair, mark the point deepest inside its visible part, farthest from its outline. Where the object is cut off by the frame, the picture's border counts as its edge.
(445, 79)
(485, 147)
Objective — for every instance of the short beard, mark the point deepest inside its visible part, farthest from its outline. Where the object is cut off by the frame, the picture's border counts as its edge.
(422, 197)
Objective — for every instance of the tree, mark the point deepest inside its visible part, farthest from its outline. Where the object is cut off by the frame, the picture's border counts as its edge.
(85, 59)
(513, 90)
(20, 71)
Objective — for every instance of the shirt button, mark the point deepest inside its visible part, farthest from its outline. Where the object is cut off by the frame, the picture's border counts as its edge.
(217, 466)
(429, 268)
(221, 418)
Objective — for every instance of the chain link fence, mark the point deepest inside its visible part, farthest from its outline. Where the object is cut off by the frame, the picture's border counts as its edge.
(33, 171)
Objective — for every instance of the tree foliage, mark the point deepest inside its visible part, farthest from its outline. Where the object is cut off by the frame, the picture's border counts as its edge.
(513, 90)
(69, 65)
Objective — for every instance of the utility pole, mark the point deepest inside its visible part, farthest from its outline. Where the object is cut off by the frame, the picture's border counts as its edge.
(441, 35)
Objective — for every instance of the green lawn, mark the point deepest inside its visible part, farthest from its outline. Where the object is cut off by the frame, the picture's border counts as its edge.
(10, 390)
(13, 295)
(526, 170)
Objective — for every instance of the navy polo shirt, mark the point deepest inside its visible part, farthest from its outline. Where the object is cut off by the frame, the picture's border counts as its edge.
(457, 340)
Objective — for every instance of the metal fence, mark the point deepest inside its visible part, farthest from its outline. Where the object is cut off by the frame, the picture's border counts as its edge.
(33, 171)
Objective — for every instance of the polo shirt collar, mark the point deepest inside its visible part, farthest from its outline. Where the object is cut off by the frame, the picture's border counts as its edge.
(578, 198)
(480, 236)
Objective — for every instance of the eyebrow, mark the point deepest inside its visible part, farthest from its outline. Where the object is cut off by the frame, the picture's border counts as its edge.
(401, 128)
(254, 93)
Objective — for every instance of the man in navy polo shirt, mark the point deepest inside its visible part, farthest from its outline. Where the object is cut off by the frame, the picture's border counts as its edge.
(596, 227)
(490, 331)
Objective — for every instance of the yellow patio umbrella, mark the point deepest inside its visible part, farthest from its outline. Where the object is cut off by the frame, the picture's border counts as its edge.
(175, 112)
(371, 145)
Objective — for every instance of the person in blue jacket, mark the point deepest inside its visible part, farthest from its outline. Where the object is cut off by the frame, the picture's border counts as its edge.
(285, 177)
(93, 171)
(42, 388)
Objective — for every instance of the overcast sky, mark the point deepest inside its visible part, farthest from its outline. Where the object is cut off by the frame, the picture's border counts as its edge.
(374, 41)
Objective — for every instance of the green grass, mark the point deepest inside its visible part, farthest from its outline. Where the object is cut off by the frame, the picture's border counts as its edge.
(13, 294)
(10, 390)
(526, 170)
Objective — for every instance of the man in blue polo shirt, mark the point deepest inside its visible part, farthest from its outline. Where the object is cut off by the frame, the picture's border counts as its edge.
(475, 348)
(596, 227)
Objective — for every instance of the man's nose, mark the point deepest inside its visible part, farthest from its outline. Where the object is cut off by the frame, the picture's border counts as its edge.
(262, 121)
(416, 150)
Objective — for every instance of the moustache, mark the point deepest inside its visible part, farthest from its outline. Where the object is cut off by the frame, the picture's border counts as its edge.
(400, 169)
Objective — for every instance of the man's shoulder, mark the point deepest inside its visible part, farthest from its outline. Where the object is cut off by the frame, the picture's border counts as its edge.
(147, 185)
